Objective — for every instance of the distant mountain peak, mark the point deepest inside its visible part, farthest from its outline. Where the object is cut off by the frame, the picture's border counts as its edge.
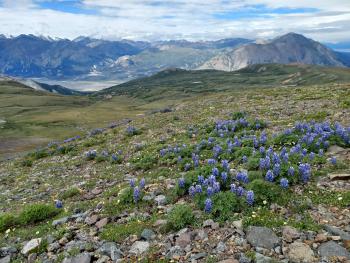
(286, 49)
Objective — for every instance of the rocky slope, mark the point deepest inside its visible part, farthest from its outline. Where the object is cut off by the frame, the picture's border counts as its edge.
(288, 49)
(84, 199)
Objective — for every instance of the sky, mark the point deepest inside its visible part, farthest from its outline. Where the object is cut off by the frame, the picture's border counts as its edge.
(323, 20)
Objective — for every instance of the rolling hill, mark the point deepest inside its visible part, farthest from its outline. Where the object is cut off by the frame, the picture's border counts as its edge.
(174, 83)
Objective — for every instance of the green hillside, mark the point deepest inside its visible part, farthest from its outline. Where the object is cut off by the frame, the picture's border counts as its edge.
(177, 83)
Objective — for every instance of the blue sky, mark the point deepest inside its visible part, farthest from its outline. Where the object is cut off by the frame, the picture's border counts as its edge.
(323, 20)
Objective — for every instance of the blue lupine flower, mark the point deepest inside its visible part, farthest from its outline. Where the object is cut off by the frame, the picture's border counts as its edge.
(58, 204)
(132, 182)
(244, 159)
(200, 179)
(187, 167)
(250, 197)
(198, 188)
(305, 172)
(320, 152)
(142, 183)
(216, 187)
(333, 160)
(242, 176)
(181, 182)
(91, 154)
(240, 191)
(208, 205)
(224, 176)
(284, 183)
(211, 161)
(277, 169)
(215, 171)
(233, 188)
(225, 165)
(312, 156)
(262, 150)
(136, 194)
(269, 176)
(192, 191)
(291, 171)
(211, 179)
(210, 191)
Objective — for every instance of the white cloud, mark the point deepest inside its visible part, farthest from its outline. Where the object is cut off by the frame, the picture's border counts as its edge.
(191, 19)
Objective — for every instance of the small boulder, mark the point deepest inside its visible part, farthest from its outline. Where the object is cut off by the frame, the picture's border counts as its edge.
(101, 223)
(139, 247)
(332, 249)
(147, 234)
(262, 237)
(290, 233)
(31, 245)
(81, 258)
(160, 200)
(300, 252)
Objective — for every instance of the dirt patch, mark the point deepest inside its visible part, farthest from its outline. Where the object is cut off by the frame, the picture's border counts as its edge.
(12, 147)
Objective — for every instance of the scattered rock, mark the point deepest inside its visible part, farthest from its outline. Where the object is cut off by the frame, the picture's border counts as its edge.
(210, 223)
(229, 260)
(103, 222)
(300, 252)
(331, 249)
(262, 237)
(31, 245)
(198, 256)
(32, 257)
(96, 191)
(6, 259)
(139, 247)
(81, 258)
(238, 224)
(263, 259)
(320, 238)
(183, 240)
(336, 176)
(290, 233)
(91, 220)
(147, 234)
(160, 200)
(60, 221)
(53, 247)
(221, 247)
(337, 231)
(110, 249)
(175, 252)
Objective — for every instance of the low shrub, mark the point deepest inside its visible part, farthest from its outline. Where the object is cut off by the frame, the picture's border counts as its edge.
(179, 217)
(36, 213)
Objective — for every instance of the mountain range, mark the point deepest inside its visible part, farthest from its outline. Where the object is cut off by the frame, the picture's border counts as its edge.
(84, 58)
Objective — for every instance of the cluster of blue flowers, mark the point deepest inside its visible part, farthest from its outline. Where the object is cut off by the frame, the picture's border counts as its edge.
(285, 158)
(137, 189)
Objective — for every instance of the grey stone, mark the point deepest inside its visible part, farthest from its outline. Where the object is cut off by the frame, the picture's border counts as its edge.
(300, 252)
(221, 247)
(147, 234)
(4, 251)
(290, 233)
(81, 258)
(53, 247)
(32, 257)
(160, 200)
(6, 259)
(60, 221)
(31, 245)
(175, 251)
(139, 247)
(331, 249)
(337, 232)
(110, 249)
(198, 256)
(262, 259)
(262, 237)
(183, 240)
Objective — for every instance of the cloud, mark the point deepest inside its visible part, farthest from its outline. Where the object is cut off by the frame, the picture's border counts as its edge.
(327, 21)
